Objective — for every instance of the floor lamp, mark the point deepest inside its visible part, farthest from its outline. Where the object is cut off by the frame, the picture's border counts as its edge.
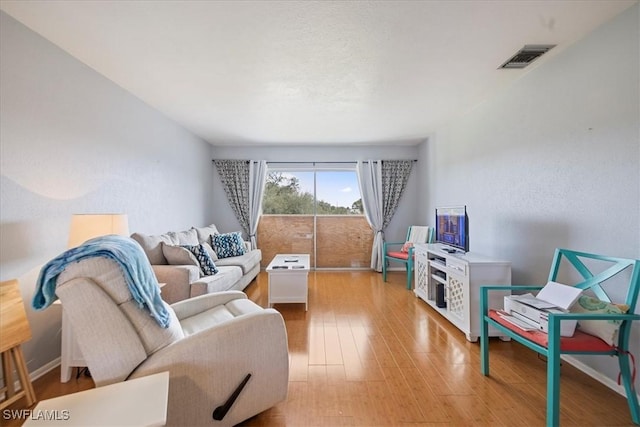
(87, 226)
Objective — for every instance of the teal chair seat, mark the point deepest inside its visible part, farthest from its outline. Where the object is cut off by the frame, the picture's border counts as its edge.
(594, 274)
(403, 251)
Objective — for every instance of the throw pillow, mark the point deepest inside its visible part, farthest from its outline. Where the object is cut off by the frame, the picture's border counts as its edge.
(177, 255)
(406, 246)
(207, 266)
(606, 330)
(210, 251)
(204, 233)
(228, 244)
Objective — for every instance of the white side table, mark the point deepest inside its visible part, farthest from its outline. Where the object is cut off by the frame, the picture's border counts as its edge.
(139, 402)
(71, 355)
(288, 279)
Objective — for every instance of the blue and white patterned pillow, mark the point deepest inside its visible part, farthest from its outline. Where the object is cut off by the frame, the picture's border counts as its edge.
(228, 244)
(207, 266)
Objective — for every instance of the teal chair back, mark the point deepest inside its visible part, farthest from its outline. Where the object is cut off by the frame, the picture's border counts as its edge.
(393, 251)
(595, 281)
(595, 274)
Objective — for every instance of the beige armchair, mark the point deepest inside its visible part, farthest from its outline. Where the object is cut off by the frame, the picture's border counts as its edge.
(211, 345)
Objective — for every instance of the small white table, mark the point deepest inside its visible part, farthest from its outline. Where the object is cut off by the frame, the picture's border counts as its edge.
(71, 355)
(288, 279)
(139, 402)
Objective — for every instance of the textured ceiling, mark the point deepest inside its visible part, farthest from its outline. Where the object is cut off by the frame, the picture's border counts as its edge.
(273, 72)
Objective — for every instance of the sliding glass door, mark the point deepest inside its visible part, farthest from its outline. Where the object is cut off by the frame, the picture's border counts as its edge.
(315, 211)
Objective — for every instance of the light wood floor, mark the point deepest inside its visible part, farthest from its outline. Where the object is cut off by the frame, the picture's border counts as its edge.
(369, 353)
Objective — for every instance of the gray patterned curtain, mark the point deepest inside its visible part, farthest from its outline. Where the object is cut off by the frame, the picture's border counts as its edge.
(395, 174)
(243, 182)
(381, 183)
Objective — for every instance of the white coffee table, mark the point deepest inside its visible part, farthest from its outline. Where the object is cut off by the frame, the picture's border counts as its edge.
(288, 279)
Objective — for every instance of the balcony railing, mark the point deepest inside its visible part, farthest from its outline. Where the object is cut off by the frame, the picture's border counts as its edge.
(341, 241)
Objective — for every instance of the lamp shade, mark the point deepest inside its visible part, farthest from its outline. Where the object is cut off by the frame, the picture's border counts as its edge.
(87, 226)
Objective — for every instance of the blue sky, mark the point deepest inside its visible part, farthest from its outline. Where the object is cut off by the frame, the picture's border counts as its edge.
(339, 188)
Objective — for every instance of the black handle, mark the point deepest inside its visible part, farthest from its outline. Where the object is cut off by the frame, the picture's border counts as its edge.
(221, 411)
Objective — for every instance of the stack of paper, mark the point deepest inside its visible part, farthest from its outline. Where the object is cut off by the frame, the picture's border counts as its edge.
(560, 295)
(535, 310)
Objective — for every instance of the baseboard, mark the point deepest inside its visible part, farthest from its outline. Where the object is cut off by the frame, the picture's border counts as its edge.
(34, 375)
(613, 385)
(45, 369)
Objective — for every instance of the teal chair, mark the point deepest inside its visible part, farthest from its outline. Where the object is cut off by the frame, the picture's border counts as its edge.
(552, 345)
(403, 251)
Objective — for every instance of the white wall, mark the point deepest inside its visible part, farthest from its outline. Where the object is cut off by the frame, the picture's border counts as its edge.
(74, 142)
(406, 214)
(554, 161)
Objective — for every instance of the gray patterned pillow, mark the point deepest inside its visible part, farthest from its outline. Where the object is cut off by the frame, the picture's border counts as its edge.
(207, 266)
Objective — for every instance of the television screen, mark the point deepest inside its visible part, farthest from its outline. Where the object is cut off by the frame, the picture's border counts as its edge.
(452, 227)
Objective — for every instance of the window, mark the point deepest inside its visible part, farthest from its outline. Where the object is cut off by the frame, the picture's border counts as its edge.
(318, 212)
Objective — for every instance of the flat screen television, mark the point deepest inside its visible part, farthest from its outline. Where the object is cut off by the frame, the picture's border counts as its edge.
(452, 228)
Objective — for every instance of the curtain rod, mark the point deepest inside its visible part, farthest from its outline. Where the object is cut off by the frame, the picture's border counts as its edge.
(320, 163)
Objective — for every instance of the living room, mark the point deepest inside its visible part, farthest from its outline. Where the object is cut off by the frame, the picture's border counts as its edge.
(552, 159)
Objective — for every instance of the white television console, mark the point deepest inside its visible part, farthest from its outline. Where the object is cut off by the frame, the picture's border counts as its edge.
(458, 277)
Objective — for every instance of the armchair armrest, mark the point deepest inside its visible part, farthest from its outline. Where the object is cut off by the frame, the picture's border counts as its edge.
(596, 316)
(195, 305)
(178, 279)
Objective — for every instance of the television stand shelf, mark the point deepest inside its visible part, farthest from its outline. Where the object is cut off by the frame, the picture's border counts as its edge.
(450, 284)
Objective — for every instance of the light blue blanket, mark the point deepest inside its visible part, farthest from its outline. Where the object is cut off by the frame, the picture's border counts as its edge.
(127, 253)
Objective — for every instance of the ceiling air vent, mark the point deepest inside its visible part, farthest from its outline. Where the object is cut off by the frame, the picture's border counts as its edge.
(527, 55)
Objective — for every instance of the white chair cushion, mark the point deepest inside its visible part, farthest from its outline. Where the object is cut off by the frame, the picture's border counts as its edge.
(217, 315)
(205, 320)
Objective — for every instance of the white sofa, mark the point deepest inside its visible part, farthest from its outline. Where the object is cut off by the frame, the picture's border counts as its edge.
(184, 281)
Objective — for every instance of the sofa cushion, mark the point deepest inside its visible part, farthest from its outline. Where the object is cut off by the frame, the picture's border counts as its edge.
(204, 233)
(187, 237)
(210, 251)
(207, 266)
(178, 255)
(225, 279)
(152, 246)
(228, 244)
(246, 261)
